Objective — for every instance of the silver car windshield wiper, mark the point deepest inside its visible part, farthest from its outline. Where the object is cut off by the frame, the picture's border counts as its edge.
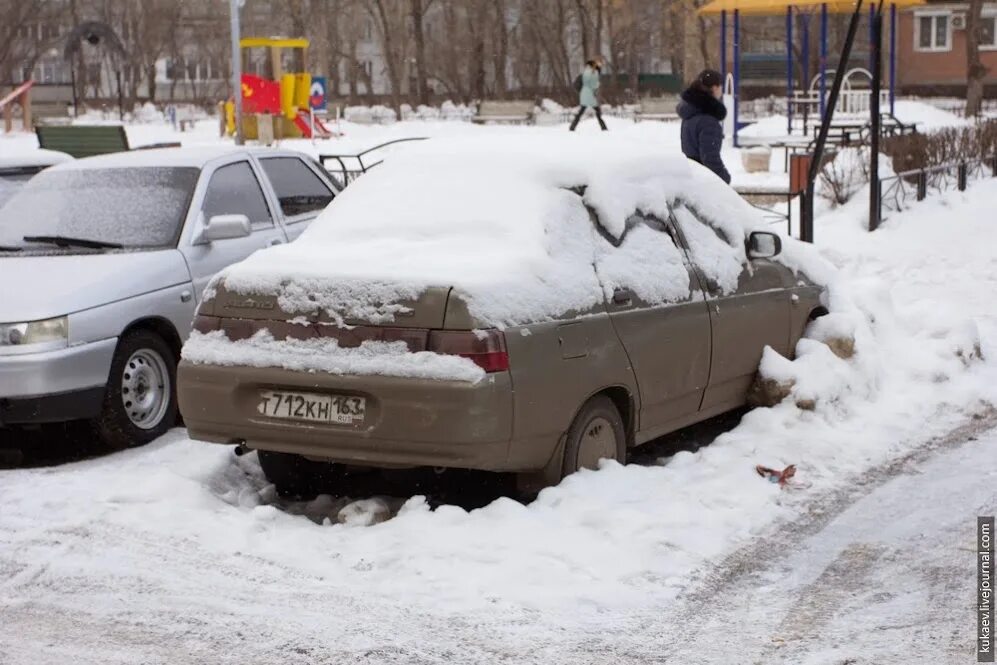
(65, 241)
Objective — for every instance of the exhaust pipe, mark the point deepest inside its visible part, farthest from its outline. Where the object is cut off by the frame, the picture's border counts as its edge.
(242, 449)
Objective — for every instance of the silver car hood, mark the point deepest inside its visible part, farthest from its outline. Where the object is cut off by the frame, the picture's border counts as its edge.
(41, 287)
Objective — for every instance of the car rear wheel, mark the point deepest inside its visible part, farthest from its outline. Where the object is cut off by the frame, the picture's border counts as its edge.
(140, 403)
(295, 476)
(596, 433)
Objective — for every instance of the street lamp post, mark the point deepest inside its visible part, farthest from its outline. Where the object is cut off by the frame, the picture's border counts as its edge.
(234, 6)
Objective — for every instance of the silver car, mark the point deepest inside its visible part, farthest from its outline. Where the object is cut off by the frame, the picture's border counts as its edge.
(103, 261)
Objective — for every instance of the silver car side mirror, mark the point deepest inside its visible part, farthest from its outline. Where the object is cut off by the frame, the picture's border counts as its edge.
(763, 245)
(223, 227)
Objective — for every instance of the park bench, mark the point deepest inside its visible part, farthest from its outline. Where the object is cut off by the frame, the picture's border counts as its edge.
(657, 108)
(88, 140)
(519, 112)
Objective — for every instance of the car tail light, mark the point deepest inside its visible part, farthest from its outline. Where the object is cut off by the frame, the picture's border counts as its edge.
(486, 348)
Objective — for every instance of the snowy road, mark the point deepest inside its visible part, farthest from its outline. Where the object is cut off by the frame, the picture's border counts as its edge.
(880, 572)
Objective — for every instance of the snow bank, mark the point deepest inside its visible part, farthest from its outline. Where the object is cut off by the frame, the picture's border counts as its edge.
(496, 219)
(325, 355)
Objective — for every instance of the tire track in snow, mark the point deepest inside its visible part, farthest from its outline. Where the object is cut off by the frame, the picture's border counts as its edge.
(705, 616)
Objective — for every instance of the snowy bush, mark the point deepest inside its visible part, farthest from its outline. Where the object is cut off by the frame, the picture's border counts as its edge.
(944, 146)
(844, 175)
(847, 173)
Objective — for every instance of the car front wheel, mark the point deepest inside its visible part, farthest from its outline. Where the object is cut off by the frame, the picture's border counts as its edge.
(140, 403)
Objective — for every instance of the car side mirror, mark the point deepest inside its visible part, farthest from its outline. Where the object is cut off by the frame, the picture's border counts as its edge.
(763, 245)
(223, 227)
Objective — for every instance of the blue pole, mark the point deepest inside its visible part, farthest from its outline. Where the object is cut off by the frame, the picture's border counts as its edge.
(806, 50)
(737, 68)
(723, 45)
(893, 55)
(823, 58)
(789, 69)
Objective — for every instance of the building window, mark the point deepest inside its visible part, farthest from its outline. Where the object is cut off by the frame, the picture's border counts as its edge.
(988, 33)
(933, 32)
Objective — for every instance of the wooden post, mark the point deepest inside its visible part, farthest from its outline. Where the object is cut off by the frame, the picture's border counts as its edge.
(26, 123)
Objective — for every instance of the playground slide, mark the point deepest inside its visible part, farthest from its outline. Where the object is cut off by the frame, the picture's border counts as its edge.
(302, 120)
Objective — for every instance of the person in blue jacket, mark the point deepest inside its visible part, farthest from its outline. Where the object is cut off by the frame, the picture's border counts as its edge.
(587, 93)
(702, 113)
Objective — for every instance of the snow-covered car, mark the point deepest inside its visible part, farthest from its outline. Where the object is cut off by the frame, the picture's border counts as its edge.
(16, 168)
(528, 307)
(103, 261)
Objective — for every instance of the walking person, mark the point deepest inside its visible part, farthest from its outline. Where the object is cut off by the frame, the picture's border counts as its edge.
(588, 86)
(702, 111)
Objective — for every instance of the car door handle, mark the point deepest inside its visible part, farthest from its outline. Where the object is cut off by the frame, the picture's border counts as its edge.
(622, 296)
(275, 241)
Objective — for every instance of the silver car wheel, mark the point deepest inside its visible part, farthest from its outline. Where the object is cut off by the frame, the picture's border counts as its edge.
(145, 388)
(597, 442)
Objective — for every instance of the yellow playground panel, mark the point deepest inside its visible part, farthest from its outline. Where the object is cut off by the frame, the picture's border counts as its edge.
(274, 83)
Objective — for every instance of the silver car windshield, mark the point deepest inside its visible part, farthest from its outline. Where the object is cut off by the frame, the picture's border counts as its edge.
(131, 207)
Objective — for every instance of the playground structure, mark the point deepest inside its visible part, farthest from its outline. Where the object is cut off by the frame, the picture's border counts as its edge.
(275, 89)
(855, 97)
(21, 95)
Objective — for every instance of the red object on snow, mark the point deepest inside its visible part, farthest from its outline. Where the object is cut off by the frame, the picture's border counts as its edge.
(773, 476)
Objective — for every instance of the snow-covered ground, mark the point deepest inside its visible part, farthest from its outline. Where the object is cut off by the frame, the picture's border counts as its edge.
(180, 552)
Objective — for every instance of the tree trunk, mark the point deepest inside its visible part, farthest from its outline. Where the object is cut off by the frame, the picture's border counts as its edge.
(389, 47)
(975, 71)
(417, 12)
(501, 50)
(150, 74)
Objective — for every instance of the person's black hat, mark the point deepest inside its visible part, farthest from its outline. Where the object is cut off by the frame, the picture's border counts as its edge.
(709, 78)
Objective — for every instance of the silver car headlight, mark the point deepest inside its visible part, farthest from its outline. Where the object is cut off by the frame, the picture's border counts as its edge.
(34, 335)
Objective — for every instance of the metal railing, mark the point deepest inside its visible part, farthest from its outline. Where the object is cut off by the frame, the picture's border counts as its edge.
(898, 192)
(357, 165)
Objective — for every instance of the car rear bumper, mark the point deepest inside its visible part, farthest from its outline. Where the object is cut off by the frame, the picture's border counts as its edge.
(53, 386)
(409, 422)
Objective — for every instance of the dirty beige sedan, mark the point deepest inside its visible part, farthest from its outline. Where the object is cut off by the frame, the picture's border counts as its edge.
(496, 307)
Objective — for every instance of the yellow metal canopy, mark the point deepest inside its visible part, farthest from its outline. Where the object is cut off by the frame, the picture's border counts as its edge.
(778, 7)
(279, 42)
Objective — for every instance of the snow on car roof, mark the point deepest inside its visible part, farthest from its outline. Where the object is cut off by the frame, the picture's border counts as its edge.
(194, 156)
(502, 220)
(33, 158)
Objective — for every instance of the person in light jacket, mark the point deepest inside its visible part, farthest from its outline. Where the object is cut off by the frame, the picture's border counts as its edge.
(587, 93)
(702, 113)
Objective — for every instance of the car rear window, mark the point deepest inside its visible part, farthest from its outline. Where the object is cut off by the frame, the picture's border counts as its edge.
(136, 207)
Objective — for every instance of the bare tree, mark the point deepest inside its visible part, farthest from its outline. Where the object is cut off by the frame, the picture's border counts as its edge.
(389, 19)
(417, 14)
(975, 70)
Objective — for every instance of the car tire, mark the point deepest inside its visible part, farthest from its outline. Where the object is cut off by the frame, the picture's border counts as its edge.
(295, 476)
(140, 403)
(597, 432)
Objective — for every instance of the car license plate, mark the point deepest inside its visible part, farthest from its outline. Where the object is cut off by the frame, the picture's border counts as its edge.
(341, 409)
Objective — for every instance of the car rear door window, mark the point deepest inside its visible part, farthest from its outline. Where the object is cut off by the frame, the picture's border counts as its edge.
(235, 190)
(299, 190)
(718, 260)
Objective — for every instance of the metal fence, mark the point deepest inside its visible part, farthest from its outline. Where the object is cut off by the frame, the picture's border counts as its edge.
(352, 166)
(899, 191)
